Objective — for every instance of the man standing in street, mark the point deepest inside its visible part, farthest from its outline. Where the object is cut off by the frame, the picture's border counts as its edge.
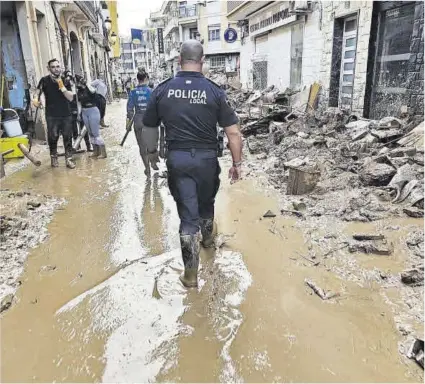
(128, 85)
(190, 107)
(58, 112)
(101, 91)
(136, 106)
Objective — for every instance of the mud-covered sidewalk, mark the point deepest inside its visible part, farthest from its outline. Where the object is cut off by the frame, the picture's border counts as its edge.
(281, 297)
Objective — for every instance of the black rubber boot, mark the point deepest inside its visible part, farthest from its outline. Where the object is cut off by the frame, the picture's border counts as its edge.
(87, 141)
(209, 231)
(96, 152)
(102, 152)
(190, 246)
(70, 163)
(54, 161)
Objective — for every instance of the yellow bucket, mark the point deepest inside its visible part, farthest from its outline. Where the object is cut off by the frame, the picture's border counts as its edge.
(12, 143)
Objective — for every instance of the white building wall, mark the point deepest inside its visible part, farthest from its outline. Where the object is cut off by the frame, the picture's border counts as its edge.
(279, 58)
(277, 50)
(312, 48)
(245, 64)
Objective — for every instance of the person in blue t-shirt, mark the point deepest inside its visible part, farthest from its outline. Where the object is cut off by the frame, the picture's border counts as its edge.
(136, 105)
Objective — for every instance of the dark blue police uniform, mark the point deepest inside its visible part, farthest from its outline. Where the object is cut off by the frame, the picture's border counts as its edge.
(190, 107)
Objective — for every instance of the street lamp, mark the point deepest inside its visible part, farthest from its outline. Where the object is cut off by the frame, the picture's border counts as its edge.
(113, 38)
(108, 23)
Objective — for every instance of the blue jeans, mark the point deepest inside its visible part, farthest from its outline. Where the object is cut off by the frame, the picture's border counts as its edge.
(193, 179)
(91, 118)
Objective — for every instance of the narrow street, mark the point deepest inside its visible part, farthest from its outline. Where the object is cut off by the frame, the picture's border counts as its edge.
(97, 317)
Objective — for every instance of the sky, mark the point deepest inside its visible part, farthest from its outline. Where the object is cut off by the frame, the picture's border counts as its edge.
(133, 13)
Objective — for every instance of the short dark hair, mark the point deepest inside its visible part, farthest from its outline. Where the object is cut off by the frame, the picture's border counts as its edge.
(191, 50)
(142, 75)
(52, 61)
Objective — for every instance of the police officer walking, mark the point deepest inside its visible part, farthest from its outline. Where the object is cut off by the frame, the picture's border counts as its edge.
(136, 105)
(190, 107)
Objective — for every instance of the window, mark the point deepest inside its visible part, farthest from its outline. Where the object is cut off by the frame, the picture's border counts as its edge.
(193, 33)
(214, 32)
(126, 46)
(128, 65)
(391, 73)
(126, 56)
(217, 62)
(348, 62)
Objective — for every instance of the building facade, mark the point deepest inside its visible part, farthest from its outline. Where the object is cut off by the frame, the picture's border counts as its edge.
(221, 52)
(33, 32)
(367, 56)
(280, 44)
(207, 22)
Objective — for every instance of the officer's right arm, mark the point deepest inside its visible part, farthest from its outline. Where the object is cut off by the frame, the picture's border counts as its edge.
(229, 121)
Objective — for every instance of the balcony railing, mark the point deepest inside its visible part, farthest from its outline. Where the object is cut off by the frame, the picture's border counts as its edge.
(89, 9)
(188, 11)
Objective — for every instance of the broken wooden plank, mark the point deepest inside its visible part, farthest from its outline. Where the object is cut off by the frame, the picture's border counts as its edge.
(366, 236)
(28, 155)
(319, 291)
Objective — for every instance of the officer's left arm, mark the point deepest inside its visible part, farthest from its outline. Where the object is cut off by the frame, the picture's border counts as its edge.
(151, 122)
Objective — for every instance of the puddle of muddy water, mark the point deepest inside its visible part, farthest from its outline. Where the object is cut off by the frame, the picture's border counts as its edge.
(251, 320)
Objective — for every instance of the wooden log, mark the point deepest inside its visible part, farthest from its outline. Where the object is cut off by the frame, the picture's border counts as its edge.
(28, 155)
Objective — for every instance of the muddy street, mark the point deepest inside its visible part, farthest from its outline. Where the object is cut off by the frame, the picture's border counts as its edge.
(113, 309)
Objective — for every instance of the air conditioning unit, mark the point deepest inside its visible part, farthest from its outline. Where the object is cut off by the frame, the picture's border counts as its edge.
(300, 7)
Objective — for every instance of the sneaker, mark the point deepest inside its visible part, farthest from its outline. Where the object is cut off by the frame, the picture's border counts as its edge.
(70, 163)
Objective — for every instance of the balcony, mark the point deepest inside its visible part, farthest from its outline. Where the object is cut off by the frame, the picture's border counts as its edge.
(171, 23)
(89, 9)
(188, 13)
(172, 50)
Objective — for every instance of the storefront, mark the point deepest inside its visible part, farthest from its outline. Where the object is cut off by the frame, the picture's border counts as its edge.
(396, 85)
(274, 38)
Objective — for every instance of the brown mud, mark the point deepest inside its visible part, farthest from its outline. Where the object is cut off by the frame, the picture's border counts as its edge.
(252, 319)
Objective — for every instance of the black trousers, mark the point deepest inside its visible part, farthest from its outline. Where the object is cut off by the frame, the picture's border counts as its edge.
(193, 179)
(55, 127)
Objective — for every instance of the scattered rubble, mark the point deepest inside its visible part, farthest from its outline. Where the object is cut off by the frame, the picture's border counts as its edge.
(413, 277)
(367, 170)
(319, 153)
(416, 352)
(376, 247)
(364, 236)
(319, 291)
(6, 302)
(23, 220)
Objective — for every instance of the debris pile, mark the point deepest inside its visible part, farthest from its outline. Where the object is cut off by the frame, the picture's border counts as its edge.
(23, 220)
(350, 167)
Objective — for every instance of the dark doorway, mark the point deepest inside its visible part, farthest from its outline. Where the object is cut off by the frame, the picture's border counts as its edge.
(77, 62)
